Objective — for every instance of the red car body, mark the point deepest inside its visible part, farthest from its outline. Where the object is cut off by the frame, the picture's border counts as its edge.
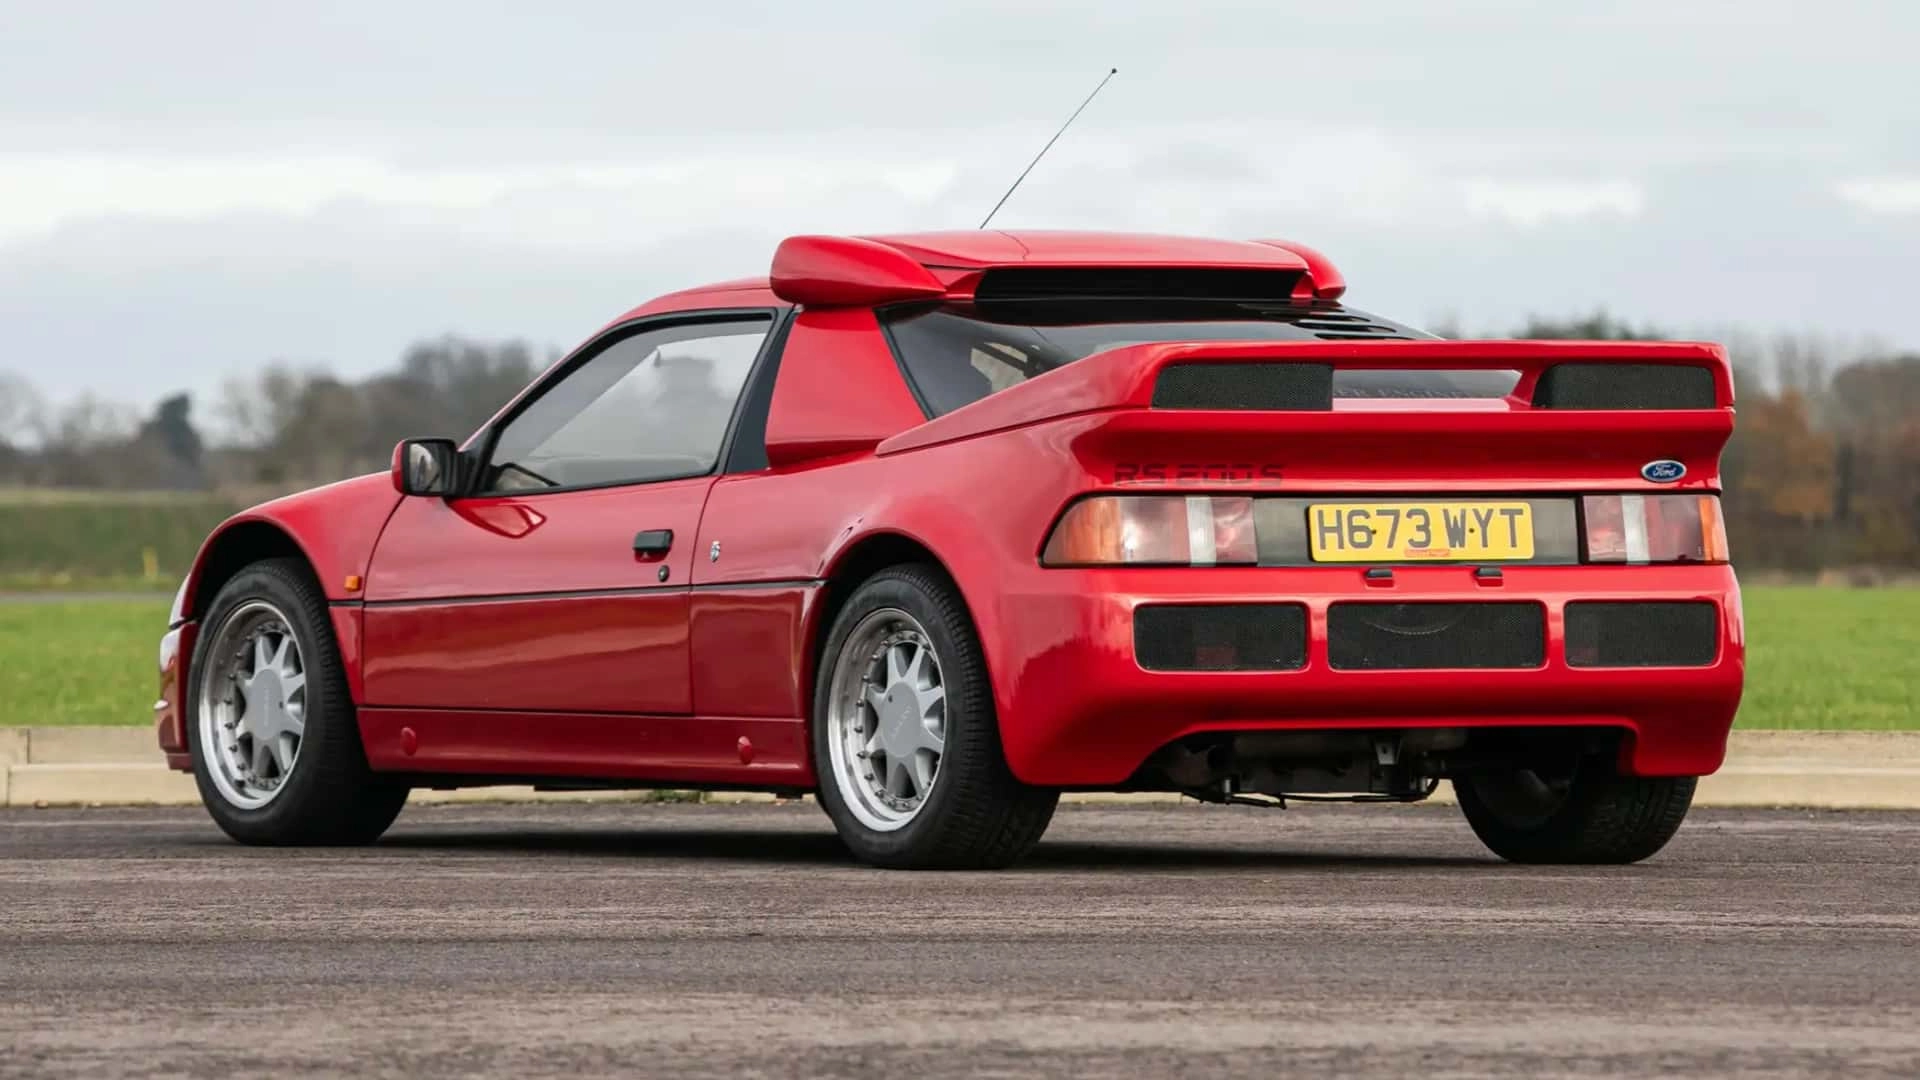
(520, 637)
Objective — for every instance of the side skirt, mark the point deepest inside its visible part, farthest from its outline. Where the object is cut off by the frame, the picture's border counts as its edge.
(491, 747)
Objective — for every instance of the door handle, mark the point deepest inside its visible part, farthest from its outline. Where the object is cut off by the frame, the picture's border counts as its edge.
(653, 542)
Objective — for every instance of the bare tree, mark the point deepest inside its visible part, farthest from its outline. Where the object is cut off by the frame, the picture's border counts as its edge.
(22, 411)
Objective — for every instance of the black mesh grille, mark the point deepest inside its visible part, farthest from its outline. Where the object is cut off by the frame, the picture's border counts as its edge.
(1134, 282)
(1654, 634)
(1385, 637)
(1220, 637)
(1624, 386)
(1291, 387)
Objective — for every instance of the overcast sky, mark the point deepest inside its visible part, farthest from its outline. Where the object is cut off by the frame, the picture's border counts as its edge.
(190, 189)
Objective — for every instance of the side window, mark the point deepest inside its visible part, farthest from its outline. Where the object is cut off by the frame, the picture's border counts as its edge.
(653, 406)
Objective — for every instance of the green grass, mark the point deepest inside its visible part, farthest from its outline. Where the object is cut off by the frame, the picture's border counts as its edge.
(102, 541)
(80, 661)
(1840, 659)
(1832, 659)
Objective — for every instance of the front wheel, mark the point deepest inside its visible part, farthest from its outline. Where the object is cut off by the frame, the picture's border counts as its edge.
(274, 739)
(905, 739)
(1586, 814)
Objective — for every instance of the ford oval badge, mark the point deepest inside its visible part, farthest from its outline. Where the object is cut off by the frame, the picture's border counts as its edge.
(1665, 471)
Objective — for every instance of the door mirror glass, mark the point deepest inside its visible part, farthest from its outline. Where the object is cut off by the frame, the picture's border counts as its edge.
(426, 467)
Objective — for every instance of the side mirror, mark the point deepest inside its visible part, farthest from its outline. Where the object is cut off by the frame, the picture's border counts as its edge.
(426, 467)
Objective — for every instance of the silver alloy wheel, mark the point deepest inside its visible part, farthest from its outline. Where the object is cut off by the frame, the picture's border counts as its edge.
(886, 719)
(253, 705)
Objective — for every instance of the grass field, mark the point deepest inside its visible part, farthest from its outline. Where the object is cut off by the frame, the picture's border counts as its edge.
(1838, 659)
(1832, 659)
(59, 540)
(79, 661)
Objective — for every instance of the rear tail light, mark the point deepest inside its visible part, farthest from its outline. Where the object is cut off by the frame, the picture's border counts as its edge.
(1654, 528)
(1149, 530)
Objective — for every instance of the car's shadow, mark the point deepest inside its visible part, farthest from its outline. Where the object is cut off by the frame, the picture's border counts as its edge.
(817, 849)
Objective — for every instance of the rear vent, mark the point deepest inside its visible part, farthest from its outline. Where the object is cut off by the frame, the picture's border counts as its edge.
(1661, 634)
(1145, 282)
(1340, 326)
(1220, 637)
(1284, 387)
(1625, 386)
(1401, 637)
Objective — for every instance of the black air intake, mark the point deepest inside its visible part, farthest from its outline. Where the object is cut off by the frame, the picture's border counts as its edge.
(1404, 637)
(1625, 386)
(1220, 637)
(1285, 387)
(1134, 283)
(1650, 634)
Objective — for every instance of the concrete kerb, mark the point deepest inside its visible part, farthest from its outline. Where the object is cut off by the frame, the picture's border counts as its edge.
(56, 766)
(89, 745)
(13, 751)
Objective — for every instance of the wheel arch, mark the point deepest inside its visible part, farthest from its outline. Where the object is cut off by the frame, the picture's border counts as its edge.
(331, 529)
(853, 564)
(232, 548)
(235, 545)
(997, 818)
(861, 558)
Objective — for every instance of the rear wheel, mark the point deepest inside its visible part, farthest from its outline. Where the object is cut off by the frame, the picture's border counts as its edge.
(1586, 813)
(905, 739)
(275, 742)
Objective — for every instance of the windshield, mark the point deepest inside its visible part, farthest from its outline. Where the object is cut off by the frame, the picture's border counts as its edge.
(956, 354)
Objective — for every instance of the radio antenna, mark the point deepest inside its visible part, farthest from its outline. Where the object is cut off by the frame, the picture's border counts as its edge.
(1043, 150)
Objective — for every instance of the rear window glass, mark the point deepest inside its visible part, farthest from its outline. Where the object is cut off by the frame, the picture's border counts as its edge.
(956, 354)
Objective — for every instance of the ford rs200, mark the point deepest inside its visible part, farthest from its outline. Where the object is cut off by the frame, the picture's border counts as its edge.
(937, 527)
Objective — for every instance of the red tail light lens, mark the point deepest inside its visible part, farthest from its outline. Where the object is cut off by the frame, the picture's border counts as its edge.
(1149, 530)
(1654, 529)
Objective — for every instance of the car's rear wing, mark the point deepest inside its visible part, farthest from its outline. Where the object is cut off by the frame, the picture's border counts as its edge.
(1580, 413)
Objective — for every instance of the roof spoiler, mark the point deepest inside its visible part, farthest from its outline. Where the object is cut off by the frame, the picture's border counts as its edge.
(847, 271)
(852, 271)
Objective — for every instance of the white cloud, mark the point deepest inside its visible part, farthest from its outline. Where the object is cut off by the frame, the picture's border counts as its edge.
(1538, 202)
(537, 203)
(1190, 177)
(1883, 194)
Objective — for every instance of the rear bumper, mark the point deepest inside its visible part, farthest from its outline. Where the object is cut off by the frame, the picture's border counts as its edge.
(1078, 710)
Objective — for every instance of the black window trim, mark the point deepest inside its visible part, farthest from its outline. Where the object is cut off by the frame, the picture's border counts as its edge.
(880, 317)
(479, 448)
(755, 405)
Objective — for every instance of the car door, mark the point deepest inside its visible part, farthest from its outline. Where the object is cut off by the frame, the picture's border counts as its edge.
(558, 583)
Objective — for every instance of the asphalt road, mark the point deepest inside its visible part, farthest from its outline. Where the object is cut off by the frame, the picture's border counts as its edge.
(738, 941)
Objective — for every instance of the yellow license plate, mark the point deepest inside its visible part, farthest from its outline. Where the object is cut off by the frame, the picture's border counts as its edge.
(1416, 531)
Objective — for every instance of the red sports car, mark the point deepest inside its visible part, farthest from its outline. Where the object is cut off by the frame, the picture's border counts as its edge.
(939, 526)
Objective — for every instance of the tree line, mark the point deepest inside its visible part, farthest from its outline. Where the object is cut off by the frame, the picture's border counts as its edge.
(1823, 470)
(285, 428)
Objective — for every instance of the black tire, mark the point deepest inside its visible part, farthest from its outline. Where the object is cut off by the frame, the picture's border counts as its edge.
(1594, 816)
(330, 796)
(976, 815)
